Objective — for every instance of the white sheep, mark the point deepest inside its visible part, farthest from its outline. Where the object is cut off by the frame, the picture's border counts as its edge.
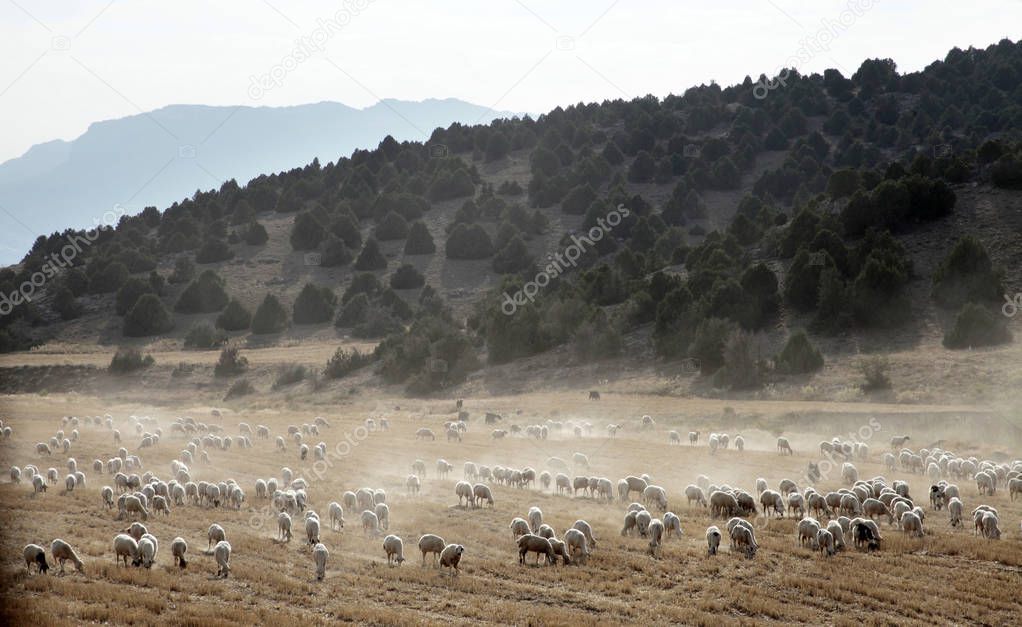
(35, 554)
(431, 543)
(481, 492)
(450, 557)
(954, 509)
(587, 531)
(124, 547)
(695, 493)
(383, 514)
(63, 552)
(990, 528)
(712, 540)
(672, 524)
(222, 553)
(319, 555)
(284, 527)
(912, 524)
(148, 547)
(783, 446)
(38, 484)
(656, 536)
(825, 542)
(463, 489)
(370, 522)
(215, 533)
(535, 518)
(655, 495)
(578, 545)
(394, 548)
(178, 548)
(312, 529)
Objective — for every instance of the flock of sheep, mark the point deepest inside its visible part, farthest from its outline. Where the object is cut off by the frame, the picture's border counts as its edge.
(851, 512)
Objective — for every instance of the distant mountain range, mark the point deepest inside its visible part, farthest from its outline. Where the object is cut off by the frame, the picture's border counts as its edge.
(164, 155)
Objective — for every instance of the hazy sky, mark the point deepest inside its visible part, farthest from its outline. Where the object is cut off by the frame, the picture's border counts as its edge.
(66, 65)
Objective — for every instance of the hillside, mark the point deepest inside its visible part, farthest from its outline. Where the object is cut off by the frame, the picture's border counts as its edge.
(157, 157)
(828, 205)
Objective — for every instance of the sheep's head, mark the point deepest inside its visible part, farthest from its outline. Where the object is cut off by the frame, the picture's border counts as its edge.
(40, 559)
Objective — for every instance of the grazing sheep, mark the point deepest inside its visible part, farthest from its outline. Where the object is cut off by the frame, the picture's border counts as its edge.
(1014, 487)
(463, 490)
(642, 521)
(124, 547)
(740, 443)
(222, 553)
(695, 493)
(630, 523)
(825, 542)
(990, 528)
(723, 504)
(107, 493)
(546, 531)
(712, 540)
(160, 505)
(148, 547)
(412, 484)
(808, 528)
(450, 557)
(370, 523)
(133, 505)
(430, 543)
(336, 515)
(481, 492)
(319, 555)
(424, 433)
(394, 548)
(38, 484)
(535, 518)
(519, 527)
(283, 527)
(577, 544)
(954, 509)
(382, 512)
(587, 531)
(539, 545)
(743, 538)
(43, 449)
(656, 495)
(672, 524)
(838, 534)
(15, 474)
(312, 529)
(178, 548)
(898, 441)
(35, 554)
(783, 446)
(912, 524)
(771, 500)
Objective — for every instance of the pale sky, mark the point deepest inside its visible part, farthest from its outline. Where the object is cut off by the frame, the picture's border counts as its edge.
(67, 64)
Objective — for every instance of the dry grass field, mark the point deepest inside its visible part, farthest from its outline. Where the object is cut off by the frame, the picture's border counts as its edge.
(947, 577)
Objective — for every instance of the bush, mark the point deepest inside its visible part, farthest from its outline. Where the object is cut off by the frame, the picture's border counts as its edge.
(184, 270)
(129, 359)
(213, 250)
(255, 234)
(270, 316)
(469, 242)
(497, 147)
(231, 363)
(1007, 172)
(799, 356)
(977, 326)
(392, 227)
(239, 388)
(513, 257)
(234, 317)
(65, 304)
(354, 312)
(345, 362)
(307, 232)
(874, 370)
(203, 295)
(708, 344)
(371, 258)
(204, 337)
(147, 317)
(128, 295)
(109, 279)
(406, 278)
(741, 371)
(289, 375)
(966, 275)
(419, 241)
(334, 253)
(314, 305)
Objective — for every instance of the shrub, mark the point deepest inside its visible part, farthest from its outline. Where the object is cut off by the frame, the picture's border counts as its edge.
(513, 257)
(109, 279)
(129, 359)
(741, 371)
(406, 278)
(184, 270)
(203, 295)
(231, 363)
(642, 169)
(393, 226)
(965, 275)
(345, 227)
(289, 375)
(314, 304)
(497, 147)
(270, 316)
(371, 258)
(204, 337)
(334, 253)
(469, 242)
(239, 388)
(708, 344)
(1007, 172)
(147, 317)
(799, 356)
(354, 312)
(345, 362)
(419, 241)
(255, 234)
(129, 294)
(213, 250)
(378, 323)
(307, 232)
(234, 317)
(977, 326)
(65, 304)
(874, 370)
